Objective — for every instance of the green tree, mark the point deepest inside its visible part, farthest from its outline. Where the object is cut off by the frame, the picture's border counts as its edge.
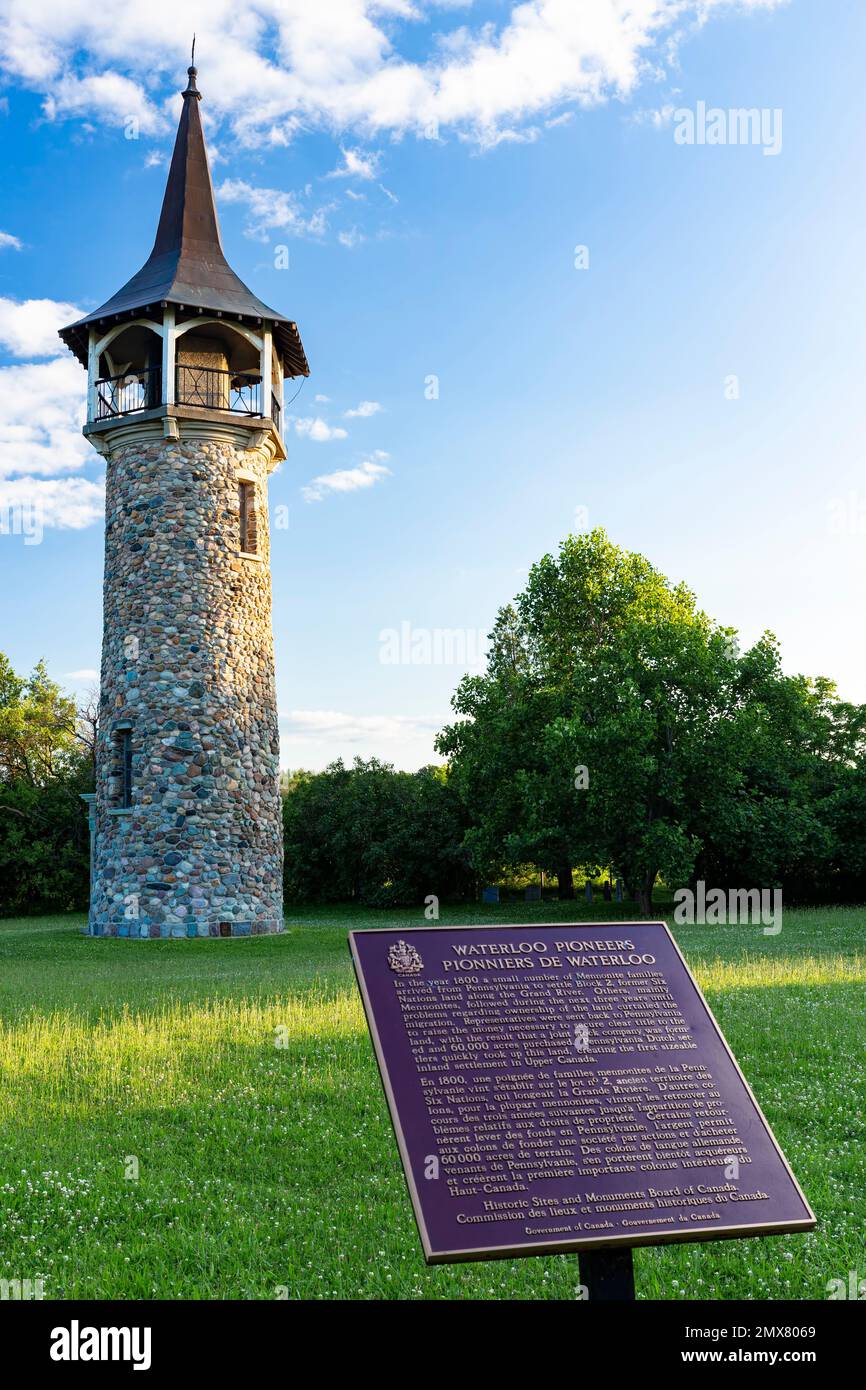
(45, 762)
(372, 835)
(801, 752)
(690, 749)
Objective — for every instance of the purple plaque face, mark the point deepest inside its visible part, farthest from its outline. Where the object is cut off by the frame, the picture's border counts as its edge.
(561, 1087)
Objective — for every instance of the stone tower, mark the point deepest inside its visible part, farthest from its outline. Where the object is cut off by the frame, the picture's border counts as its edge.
(185, 392)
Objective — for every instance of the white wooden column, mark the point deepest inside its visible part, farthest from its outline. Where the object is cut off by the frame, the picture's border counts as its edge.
(92, 374)
(169, 336)
(267, 360)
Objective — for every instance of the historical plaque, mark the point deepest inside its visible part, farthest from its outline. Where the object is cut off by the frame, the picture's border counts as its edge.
(564, 1087)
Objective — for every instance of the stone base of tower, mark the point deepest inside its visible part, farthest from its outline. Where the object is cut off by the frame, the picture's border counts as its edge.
(188, 836)
(150, 913)
(148, 931)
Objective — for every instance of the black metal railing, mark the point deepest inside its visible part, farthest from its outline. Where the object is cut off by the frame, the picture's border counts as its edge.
(208, 387)
(214, 389)
(121, 395)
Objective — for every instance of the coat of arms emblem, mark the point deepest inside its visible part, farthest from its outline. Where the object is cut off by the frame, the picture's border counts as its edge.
(404, 959)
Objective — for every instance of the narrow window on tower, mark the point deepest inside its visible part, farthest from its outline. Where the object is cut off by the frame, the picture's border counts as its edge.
(121, 769)
(247, 511)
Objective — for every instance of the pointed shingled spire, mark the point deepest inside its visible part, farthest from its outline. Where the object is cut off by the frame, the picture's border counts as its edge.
(187, 265)
(188, 227)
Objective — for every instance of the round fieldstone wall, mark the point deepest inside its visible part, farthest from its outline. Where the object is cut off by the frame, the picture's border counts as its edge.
(188, 820)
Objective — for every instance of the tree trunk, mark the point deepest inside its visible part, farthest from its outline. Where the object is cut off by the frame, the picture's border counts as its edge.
(566, 882)
(645, 895)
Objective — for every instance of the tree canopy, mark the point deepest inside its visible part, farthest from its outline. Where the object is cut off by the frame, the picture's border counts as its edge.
(46, 760)
(371, 835)
(618, 725)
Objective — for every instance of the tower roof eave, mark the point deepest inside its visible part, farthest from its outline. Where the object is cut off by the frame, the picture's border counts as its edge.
(139, 295)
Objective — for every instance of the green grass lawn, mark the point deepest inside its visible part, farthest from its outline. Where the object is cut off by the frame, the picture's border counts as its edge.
(263, 1169)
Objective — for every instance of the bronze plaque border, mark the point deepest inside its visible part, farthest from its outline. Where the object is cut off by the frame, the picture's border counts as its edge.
(564, 1247)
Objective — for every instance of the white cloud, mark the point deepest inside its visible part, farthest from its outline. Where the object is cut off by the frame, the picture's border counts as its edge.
(273, 67)
(351, 238)
(318, 429)
(65, 503)
(353, 728)
(42, 409)
(87, 673)
(363, 410)
(110, 95)
(272, 210)
(356, 165)
(28, 328)
(659, 117)
(493, 135)
(7, 240)
(314, 738)
(367, 474)
(321, 400)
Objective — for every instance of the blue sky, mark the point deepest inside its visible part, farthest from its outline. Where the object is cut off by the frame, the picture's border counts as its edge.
(697, 389)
